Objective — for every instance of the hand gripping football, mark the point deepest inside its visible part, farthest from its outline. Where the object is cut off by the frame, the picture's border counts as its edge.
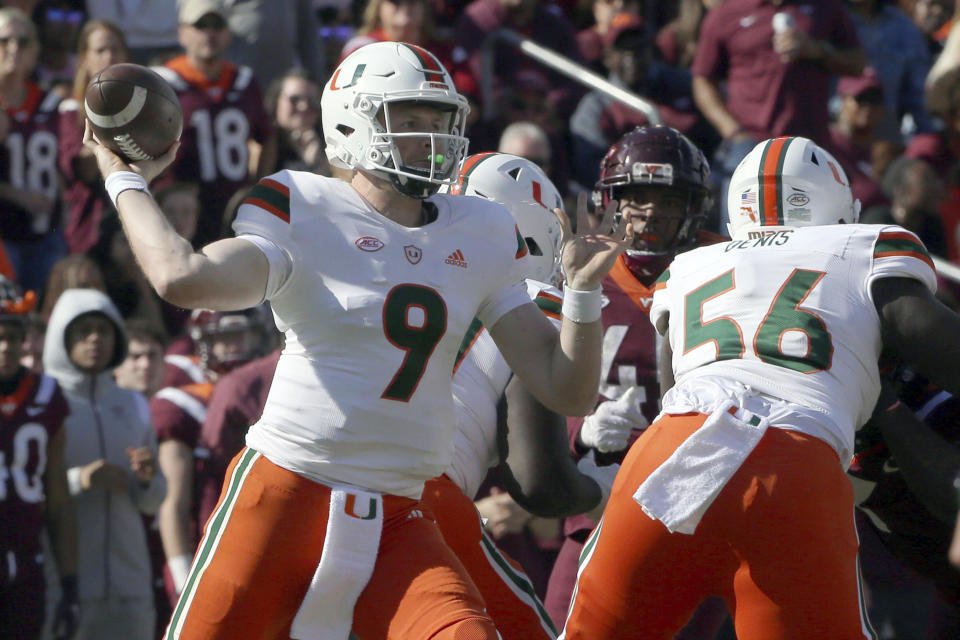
(133, 111)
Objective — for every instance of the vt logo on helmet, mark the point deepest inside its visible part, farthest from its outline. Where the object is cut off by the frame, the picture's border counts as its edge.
(792, 182)
(391, 109)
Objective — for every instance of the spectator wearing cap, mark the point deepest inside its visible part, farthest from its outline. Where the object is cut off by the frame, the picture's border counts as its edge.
(227, 140)
(853, 134)
(541, 22)
(599, 120)
(776, 83)
(591, 41)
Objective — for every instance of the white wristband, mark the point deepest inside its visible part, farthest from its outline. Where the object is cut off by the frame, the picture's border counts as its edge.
(120, 181)
(179, 568)
(581, 306)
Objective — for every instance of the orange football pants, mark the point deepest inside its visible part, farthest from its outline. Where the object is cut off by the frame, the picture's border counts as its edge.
(509, 595)
(778, 543)
(262, 545)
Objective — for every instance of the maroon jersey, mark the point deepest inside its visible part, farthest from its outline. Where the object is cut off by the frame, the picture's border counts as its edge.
(629, 358)
(219, 118)
(29, 419)
(236, 403)
(29, 162)
(177, 413)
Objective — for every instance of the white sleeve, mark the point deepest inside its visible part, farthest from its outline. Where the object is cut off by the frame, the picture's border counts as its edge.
(900, 253)
(279, 261)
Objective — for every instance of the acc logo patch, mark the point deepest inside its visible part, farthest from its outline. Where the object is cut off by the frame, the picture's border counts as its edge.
(798, 199)
(368, 243)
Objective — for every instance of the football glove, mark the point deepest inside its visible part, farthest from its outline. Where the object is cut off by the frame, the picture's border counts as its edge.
(608, 428)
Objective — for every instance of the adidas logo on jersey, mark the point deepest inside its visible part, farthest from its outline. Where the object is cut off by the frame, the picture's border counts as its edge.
(456, 259)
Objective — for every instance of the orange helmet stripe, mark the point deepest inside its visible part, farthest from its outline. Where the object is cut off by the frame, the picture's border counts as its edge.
(469, 165)
(771, 181)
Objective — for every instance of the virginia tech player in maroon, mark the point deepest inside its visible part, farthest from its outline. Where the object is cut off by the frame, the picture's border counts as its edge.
(237, 402)
(33, 484)
(661, 180)
(224, 340)
(221, 115)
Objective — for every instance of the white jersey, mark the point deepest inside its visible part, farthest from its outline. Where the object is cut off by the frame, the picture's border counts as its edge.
(789, 314)
(373, 315)
(480, 378)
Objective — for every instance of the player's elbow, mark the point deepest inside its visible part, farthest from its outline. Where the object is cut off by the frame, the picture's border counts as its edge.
(577, 401)
(552, 490)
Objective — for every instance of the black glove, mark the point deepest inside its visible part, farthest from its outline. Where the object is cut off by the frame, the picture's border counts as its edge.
(68, 610)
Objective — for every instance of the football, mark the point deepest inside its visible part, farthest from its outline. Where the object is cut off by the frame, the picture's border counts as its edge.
(133, 111)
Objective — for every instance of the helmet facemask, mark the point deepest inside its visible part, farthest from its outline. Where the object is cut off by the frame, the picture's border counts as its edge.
(413, 177)
(657, 157)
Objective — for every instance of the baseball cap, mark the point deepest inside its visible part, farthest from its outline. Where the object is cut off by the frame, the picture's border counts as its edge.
(621, 24)
(865, 87)
(192, 10)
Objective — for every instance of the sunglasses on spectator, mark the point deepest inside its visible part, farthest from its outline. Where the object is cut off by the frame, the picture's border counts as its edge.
(22, 41)
(210, 22)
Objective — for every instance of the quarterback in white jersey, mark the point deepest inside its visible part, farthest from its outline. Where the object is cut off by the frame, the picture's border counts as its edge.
(738, 488)
(374, 282)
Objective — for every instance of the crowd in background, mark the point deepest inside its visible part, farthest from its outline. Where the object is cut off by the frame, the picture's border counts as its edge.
(875, 82)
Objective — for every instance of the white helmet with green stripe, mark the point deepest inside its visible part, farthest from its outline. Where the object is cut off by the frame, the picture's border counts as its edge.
(358, 128)
(526, 191)
(789, 182)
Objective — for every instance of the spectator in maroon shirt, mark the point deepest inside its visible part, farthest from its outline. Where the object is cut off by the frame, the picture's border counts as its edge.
(853, 135)
(99, 45)
(776, 84)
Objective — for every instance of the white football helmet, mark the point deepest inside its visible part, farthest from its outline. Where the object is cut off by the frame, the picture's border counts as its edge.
(363, 87)
(527, 193)
(789, 181)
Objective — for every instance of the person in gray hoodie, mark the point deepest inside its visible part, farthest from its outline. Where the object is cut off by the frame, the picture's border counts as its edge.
(111, 466)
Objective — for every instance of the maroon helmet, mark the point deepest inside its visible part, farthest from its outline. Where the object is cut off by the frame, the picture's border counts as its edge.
(204, 325)
(657, 155)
